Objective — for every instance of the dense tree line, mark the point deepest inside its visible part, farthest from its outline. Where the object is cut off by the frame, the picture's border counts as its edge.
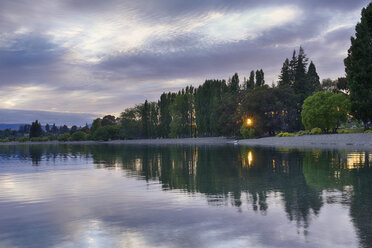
(220, 107)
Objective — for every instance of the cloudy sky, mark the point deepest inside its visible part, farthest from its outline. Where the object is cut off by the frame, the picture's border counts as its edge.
(99, 57)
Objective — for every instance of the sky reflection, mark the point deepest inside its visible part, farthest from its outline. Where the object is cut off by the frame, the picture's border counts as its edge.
(175, 197)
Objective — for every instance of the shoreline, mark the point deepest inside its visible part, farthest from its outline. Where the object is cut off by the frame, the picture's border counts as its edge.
(325, 141)
(360, 141)
(167, 141)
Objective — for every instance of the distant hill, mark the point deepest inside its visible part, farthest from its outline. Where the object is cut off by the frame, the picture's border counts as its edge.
(10, 126)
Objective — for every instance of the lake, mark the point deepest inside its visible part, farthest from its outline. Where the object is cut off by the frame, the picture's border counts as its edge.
(184, 196)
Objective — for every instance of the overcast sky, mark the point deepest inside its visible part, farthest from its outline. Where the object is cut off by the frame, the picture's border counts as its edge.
(99, 57)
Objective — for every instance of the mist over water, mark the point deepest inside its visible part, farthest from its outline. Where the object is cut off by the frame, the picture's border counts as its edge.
(184, 196)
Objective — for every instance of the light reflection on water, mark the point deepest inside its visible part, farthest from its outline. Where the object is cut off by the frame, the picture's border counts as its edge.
(183, 196)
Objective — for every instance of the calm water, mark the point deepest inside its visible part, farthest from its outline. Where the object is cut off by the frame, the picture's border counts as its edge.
(184, 196)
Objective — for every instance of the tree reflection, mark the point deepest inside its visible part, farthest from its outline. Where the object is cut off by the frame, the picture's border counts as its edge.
(244, 177)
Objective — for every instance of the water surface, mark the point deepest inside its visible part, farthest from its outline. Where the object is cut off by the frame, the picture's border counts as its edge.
(184, 196)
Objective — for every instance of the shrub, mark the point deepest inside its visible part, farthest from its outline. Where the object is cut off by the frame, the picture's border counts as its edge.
(106, 133)
(345, 131)
(246, 132)
(368, 131)
(78, 136)
(4, 140)
(316, 130)
(285, 134)
(64, 137)
(301, 133)
(325, 110)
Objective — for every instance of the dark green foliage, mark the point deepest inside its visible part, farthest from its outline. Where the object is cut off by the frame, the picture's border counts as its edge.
(233, 84)
(301, 85)
(260, 78)
(359, 68)
(105, 133)
(313, 78)
(85, 129)
(73, 129)
(250, 82)
(35, 130)
(145, 117)
(270, 109)
(247, 132)
(325, 110)
(54, 129)
(207, 99)
(78, 136)
(182, 112)
(285, 75)
(64, 137)
(229, 119)
(105, 129)
(149, 119)
(304, 82)
(64, 129)
(130, 123)
(342, 85)
(227, 112)
(95, 125)
(166, 99)
(108, 120)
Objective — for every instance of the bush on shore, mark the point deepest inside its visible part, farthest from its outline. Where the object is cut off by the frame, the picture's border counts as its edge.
(64, 137)
(285, 134)
(246, 132)
(79, 136)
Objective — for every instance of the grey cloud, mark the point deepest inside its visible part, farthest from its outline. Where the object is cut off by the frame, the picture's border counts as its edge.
(29, 50)
(128, 78)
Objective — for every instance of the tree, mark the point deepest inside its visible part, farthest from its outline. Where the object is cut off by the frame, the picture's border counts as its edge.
(73, 129)
(325, 110)
(285, 75)
(47, 128)
(207, 99)
(301, 85)
(250, 82)
(342, 85)
(313, 78)
(85, 129)
(110, 132)
(359, 68)
(292, 68)
(166, 99)
(36, 130)
(260, 78)
(182, 111)
(145, 117)
(329, 85)
(54, 129)
(130, 123)
(97, 123)
(234, 83)
(78, 136)
(108, 120)
(64, 129)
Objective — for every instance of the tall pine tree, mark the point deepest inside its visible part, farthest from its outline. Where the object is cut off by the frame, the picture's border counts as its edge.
(285, 75)
(359, 68)
(313, 78)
